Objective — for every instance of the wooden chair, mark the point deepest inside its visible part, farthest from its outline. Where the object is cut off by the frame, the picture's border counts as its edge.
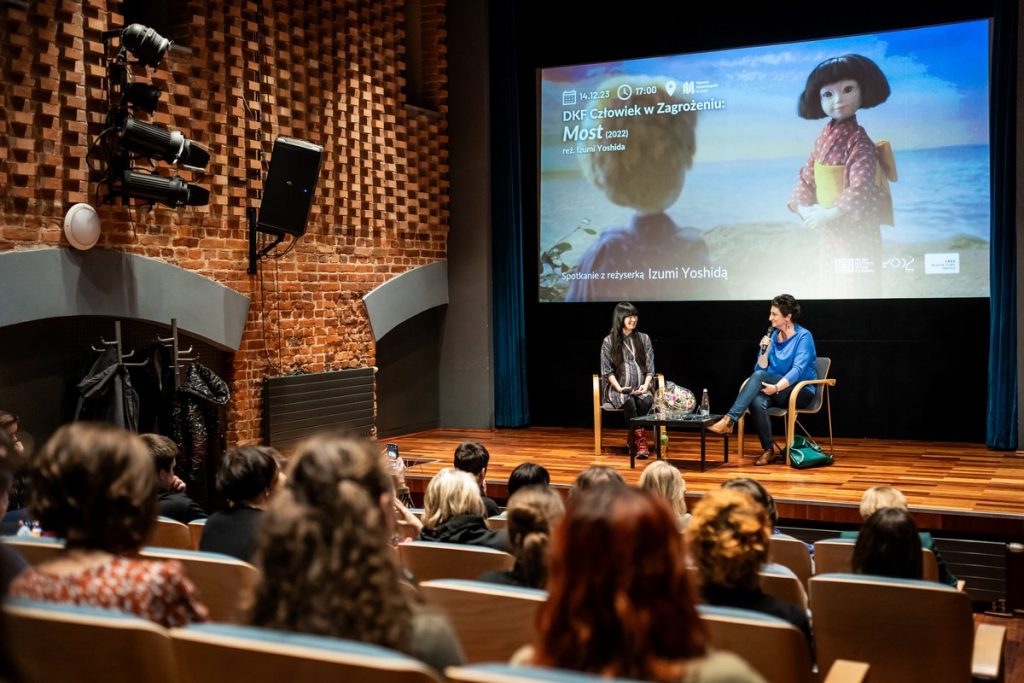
(427, 560)
(195, 529)
(214, 653)
(821, 396)
(906, 630)
(497, 522)
(792, 553)
(491, 620)
(170, 533)
(55, 642)
(835, 555)
(773, 646)
(35, 550)
(774, 581)
(600, 407)
(225, 583)
(507, 673)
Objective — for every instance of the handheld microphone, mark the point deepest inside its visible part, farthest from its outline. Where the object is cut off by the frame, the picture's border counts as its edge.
(764, 347)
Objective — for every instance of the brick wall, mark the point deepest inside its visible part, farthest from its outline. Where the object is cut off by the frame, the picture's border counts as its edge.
(326, 71)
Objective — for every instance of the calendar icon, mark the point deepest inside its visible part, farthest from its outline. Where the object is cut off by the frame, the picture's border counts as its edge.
(568, 97)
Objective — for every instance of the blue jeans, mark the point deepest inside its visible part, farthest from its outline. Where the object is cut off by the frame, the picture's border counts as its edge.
(751, 398)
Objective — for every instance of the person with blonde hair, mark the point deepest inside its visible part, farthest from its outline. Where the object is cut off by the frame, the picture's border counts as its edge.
(665, 481)
(453, 512)
(880, 497)
(94, 485)
(532, 514)
(326, 564)
(728, 536)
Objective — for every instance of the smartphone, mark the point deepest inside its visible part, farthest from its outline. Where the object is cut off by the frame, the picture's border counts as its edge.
(392, 450)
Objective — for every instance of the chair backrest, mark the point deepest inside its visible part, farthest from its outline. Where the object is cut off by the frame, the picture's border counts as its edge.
(170, 533)
(497, 522)
(35, 550)
(906, 630)
(781, 585)
(792, 553)
(821, 367)
(55, 642)
(491, 620)
(836, 555)
(772, 646)
(225, 584)
(506, 673)
(428, 560)
(214, 653)
(195, 529)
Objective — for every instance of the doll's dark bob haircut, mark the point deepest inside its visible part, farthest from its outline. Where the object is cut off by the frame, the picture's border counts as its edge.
(874, 87)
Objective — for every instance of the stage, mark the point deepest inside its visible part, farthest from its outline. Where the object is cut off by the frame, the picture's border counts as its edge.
(957, 489)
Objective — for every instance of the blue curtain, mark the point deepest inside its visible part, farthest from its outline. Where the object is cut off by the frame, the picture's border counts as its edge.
(1001, 417)
(511, 404)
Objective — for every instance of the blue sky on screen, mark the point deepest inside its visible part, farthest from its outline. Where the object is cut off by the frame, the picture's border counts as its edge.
(938, 75)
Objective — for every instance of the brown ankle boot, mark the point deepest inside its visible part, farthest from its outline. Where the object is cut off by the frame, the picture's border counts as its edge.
(770, 457)
(640, 439)
(723, 426)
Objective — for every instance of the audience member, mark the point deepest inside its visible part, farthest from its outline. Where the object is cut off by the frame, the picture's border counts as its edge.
(527, 474)
(173, 502)
(326, 563)
(15, 458)
(472, 457)
(11, 563)
(759, 493)
(728, 538)
(95, 486)
(879, 497)
(620, 604)
(453, 512)
(248, 477)
(532, 513)
(665, 481)
(596, 476)
(9, 425)
(888, 545)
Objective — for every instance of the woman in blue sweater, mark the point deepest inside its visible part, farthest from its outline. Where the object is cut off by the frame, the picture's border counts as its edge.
(786, 356)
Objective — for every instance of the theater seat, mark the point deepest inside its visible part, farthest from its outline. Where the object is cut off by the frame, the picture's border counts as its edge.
(224, 583)
(773, 646)
(428, 560)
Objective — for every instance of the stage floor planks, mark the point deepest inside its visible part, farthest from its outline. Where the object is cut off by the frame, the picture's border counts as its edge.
(955, 487)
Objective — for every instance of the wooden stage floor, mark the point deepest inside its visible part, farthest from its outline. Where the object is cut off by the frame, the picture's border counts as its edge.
(951, 487)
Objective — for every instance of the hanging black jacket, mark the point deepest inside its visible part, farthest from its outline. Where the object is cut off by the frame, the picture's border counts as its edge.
(106, 393)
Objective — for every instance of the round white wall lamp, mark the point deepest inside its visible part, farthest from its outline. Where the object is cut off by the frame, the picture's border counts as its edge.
(82, 226)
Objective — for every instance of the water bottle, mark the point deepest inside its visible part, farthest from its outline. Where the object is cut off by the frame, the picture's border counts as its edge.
(705, 404)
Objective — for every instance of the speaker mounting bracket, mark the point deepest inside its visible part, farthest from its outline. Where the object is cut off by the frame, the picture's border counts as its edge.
(254, 255)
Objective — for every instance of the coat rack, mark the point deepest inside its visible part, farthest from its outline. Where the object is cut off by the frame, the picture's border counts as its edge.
(121, 356)
(177, 355)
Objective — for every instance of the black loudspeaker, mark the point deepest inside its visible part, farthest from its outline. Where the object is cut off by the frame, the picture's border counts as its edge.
(291, 183)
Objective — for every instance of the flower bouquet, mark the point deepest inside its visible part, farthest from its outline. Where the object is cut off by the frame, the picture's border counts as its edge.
(677, 400)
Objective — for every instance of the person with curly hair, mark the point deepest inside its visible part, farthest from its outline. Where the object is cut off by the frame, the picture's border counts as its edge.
(666, 482)
(620, 603)
(326, 563)
(728, 536)
(532, 513)
(94, 485)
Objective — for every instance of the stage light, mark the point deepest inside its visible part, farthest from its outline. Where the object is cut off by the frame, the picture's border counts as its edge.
(158, 143)
(147, 45)
(145, 97)
(172, 191)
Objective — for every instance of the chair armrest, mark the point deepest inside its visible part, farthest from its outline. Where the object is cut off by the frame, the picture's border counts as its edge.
(847, 671)
(987, 656)
(960, 585)
(827, 381)
(660, 379)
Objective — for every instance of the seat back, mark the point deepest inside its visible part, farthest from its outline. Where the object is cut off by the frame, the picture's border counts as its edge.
(836, 555)
(428, 560)
(772, 646)
(35, 550)
(777, 584)
(792, 553)
(195, 529)
(225, 584)
(214, 653)
(506, 673)
(906, 630)
(497, 522)
(491, 620)
(55, 642)
(170, 533)
(821, 367)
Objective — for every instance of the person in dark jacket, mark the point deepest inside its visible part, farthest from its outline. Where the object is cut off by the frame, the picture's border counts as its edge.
(248, 477)
(172, 501)
(473, 457)
(454, 513)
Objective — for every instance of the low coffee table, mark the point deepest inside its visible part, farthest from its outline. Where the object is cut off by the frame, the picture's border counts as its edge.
(684, 422)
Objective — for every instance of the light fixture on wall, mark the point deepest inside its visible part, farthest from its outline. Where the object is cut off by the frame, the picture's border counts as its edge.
(148, 46)
(82, 226)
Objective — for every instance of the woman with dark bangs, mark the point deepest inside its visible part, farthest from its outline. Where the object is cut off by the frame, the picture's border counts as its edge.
(620, 603)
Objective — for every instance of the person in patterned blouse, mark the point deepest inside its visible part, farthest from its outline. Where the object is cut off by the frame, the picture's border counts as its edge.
(94, 485)
(842, 189)
(627, 372)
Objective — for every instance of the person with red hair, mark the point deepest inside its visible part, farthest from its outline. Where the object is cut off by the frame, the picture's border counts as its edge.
(620, 603)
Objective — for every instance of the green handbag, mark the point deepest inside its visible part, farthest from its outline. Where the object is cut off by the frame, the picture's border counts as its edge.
(805, 454)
